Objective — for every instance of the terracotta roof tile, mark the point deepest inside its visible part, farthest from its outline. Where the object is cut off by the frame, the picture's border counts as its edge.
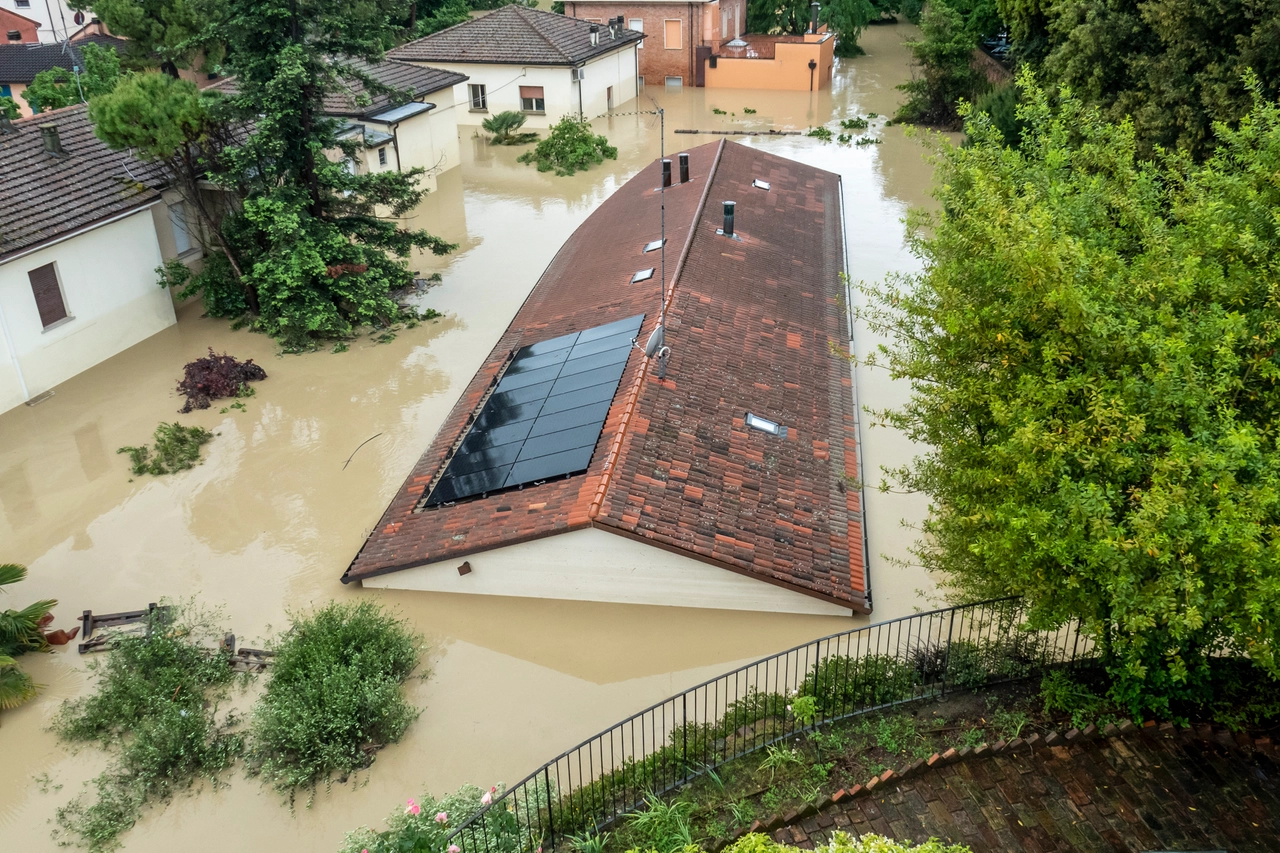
(751, 323)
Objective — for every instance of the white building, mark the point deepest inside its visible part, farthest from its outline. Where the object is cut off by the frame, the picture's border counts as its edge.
(539, 63)
(420, 131)
(82, 231)
(58, 21)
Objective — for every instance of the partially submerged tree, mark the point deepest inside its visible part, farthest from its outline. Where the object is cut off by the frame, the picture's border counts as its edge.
(20, 632)
(944, 55)
(505, 126)
(57, 87)
(569, 147)
(1092, 350)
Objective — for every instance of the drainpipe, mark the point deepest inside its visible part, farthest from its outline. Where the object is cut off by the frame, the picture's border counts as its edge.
(395, 138)
(13, 354)
(692, 50)
(581, 115)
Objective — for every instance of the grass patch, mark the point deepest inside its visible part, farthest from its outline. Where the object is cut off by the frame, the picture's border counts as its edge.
(177, 448)
(334, 698)
(155, 710)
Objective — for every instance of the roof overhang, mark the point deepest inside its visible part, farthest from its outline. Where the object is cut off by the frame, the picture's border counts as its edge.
(398, 114)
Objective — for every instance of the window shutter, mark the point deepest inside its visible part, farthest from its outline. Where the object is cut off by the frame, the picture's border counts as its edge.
(530, 91)
(44, 285)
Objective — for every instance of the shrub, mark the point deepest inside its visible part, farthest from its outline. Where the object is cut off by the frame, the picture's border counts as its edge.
(663, 827)
(504, 125)
(842, 684)
(822, 133)
(155, 708)
(842, 842)
(216, 376)
(334, 697)
(944, 54)
(20, 632)
(177, 448)
(414, 828)
(569, 147)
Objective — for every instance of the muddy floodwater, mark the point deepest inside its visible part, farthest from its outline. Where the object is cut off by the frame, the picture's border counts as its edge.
(290, 487)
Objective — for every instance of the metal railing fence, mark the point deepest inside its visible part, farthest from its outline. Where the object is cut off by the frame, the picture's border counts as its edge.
(677, 740)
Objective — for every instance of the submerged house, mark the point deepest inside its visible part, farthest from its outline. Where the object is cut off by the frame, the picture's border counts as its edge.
(539, 63)
(714, 470)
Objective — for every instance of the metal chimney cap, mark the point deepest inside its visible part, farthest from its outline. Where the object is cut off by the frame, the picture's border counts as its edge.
(52, 142)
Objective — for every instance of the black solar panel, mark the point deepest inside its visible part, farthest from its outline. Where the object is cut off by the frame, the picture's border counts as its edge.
(545, 417)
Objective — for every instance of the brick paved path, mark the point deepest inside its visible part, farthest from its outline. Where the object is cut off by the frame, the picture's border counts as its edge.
(1156, 789)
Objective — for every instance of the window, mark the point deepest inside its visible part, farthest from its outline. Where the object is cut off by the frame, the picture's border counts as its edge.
(23, 4)
(181, 236)
(382, 156)
(479, 98)
(675, 82)
(637, 24)
(531, 100)
(44, 287)
(672, 34)
(14, 35)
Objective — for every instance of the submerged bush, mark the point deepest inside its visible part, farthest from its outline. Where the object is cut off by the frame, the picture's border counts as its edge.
(423, 825)
(504, 127)
(569, 147)
(215, 376)
(177, 448)
(334, 698)
(155, 709)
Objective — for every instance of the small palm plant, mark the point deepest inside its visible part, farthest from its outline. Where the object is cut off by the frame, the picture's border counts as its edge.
(19, 633)
(504, 127)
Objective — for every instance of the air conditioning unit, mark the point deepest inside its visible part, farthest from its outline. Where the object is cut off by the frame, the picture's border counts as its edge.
(577, 75)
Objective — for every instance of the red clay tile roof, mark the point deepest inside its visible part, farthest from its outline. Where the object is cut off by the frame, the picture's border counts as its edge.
(751, 323)
(515, 35)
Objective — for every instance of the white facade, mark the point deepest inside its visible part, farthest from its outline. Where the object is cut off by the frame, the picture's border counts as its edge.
(596, 565)
(107, 279)
(607, 81)
(57, 19)
(428, 140)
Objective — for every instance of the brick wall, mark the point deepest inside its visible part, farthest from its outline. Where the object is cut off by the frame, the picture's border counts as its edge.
(700, 24)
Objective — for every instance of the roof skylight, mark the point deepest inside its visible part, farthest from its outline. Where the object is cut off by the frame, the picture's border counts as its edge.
(642, 275)
(761, 185)
(765, 425)
(655, 245)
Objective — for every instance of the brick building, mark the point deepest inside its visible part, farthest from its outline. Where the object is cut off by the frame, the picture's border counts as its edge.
(680, 34)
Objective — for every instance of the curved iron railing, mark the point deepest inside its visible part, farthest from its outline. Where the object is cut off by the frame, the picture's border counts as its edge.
(672, 742)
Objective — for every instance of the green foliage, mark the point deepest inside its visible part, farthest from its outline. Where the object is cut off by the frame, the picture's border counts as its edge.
(847, 19)
(570, 146)
(154, 710)
(9, 108)
(1001, 104)
(589, 842)
(57, 87)
(152, 114)
(1091, 350)
(16, 687)
(1062, 693)
(854, 123)
(805, 709)
(778, 757)
(822, 133)
(173, 32)
(504, 125)
(841, 684)
(661, 826)
(335, 695)
(777, 16)
(1009, 724)
(177, 448)
(944, 54)
(19, 633)
(414, 829)
(842, 842)
(895, 733)
(447, 14)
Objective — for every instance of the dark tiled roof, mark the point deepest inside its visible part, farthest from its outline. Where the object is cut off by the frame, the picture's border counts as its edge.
(401, 76)
(20, 63)
(515, 35)
(46, 196)
(750, 325)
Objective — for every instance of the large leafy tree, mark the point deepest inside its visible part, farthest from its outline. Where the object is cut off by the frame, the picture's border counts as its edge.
(944, 56)
(57, 87)
(1174, 66)
(1092, 347)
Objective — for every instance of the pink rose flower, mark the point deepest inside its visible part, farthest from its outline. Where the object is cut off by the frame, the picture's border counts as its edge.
(442, 818)
(453, 848)
(413, 808)
(487, 798)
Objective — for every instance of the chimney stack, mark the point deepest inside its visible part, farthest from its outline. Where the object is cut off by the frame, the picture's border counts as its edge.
(52, 144)
(684, 168)
(728, 217)
(6, 125)
(666, 173)
(595, 34)
(814, 7)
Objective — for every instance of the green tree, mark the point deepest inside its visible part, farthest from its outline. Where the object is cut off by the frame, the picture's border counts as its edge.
(20, 632)
(944, 55)
(777, 16)
(571, 146)
(9, 108)
(1175, 66)
(847, 19)
(57, 87)
(170, 33)
(1092, 351)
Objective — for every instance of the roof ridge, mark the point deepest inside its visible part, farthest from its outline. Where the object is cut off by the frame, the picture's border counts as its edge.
(519, 10)
(633, 395)
(31, 119)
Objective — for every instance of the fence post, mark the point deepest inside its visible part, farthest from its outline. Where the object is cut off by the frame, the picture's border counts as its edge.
(551, 809)
(684, 738)
(946, 655)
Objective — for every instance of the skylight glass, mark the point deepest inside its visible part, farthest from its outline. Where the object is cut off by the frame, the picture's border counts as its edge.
(761, 185)
(764, 425)
(654, 246)
(642, 275)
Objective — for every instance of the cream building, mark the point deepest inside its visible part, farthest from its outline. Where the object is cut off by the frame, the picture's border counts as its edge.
(81, 234)
(539, 63)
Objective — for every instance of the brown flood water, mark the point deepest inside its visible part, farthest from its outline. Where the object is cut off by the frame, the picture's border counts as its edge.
(268, 523)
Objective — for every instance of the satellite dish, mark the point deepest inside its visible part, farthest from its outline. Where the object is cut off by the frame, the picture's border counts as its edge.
(656, 340)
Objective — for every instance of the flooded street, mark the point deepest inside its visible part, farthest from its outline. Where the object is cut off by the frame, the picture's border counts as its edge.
(290, 487)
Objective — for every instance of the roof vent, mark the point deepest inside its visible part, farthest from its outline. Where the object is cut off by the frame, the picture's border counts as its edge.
(642, 275)
(613, 28)
(684, 168)
(666, 173)
(654, 245)
(595, 34)
(814, 8)
(727, 230)
(52, 143)
(15, 35)
(765, 425)
(761, 185)
(6, 125)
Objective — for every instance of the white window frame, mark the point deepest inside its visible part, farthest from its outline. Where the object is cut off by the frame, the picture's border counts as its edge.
(181, 233)
(479, 95)
(62, 294)
(382, 155)
(637, 25)
(679, 22)
(675, 82)
(534, 105)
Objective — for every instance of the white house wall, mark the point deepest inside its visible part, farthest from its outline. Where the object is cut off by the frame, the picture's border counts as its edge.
(503, 82)
(595, 565)
(109, 287)
(428, 141)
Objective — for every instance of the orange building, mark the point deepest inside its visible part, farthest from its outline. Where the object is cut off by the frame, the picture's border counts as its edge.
(794, 63)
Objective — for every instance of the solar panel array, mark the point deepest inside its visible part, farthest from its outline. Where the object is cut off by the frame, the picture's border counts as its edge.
(545, 416)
